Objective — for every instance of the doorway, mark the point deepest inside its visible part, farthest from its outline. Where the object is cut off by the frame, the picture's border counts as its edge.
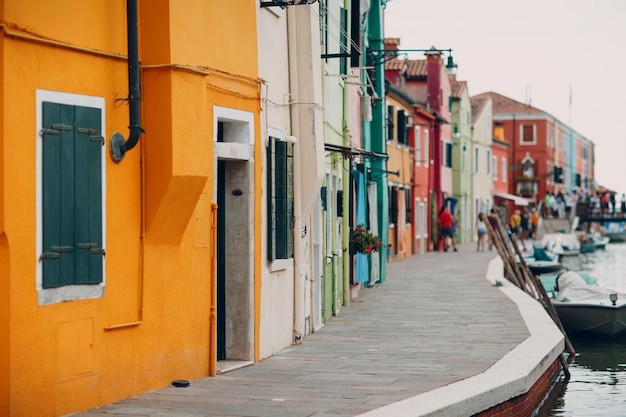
(234, 194)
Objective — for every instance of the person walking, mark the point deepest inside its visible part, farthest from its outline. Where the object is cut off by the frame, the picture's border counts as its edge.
(481, 231)
(534, 222)
(446, 221)
(514, 225)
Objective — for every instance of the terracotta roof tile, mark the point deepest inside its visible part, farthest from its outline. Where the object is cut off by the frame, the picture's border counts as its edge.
(457, 88)
(503, 104)
(416, 68)
(392, 42)
(478, 104)
(395, 64)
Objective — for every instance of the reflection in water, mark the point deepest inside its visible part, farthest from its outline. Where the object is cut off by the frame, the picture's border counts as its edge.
(597, 385)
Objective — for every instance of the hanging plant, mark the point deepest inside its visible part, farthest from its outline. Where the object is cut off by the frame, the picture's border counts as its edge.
(362, 241)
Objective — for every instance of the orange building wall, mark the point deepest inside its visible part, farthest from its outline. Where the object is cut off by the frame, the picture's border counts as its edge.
(157, 276)
(401, 161)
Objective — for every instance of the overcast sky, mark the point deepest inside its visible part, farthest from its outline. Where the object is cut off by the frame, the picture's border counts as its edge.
(535, 51)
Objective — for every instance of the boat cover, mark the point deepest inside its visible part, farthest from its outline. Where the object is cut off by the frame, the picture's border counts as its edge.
(573, 288)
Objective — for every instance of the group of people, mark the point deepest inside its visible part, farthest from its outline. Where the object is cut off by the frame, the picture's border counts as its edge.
(605, 203)
(597, 203)
(521, 223)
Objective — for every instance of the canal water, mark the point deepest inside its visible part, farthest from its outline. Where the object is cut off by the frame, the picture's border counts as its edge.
(597, 384)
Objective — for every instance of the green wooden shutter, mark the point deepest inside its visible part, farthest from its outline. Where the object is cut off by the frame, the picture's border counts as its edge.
(71, 195)
(280, 200)
(289, 203)
(57, 187)
(271, 211)
(89, 145)
(280, 206)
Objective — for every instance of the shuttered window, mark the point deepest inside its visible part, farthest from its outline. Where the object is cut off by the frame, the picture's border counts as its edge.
(280, 199)
(402, 131)
(72, 147)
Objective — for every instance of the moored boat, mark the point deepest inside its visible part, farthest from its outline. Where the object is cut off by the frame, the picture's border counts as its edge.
(589, 309)
(601, 241)
(545, 267)
(615, 231)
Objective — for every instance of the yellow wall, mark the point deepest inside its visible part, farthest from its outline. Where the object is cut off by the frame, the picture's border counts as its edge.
(193, 58)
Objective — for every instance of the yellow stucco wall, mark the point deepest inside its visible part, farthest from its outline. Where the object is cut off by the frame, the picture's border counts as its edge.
(59, 358)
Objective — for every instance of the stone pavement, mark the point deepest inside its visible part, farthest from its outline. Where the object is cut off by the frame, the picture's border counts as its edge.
(435, 320)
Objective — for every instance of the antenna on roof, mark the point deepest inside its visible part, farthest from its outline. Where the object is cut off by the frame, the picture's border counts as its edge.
(528, 95)
(570, 105)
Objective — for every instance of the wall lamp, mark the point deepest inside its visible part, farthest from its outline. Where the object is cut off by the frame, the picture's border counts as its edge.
(379, 57)
(383, 171)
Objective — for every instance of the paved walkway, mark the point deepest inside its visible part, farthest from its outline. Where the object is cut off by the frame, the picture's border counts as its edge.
(435, 320)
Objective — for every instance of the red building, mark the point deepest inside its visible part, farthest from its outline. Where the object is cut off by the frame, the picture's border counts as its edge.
(420, 141)
(543, 155)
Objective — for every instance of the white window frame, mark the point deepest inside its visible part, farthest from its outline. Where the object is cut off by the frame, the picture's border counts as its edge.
(418, 145)
(504, 168)
(426, 152)
(476, 160)
(521, 134)
(66, 292)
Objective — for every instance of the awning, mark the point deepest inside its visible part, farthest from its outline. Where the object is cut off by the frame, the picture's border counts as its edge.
(519, 201)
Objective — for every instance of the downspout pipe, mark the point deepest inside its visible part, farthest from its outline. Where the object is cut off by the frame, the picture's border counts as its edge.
(119, 146)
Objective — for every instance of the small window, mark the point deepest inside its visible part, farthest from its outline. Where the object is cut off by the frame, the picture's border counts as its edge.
(402, 131)
(476, 160)
(408, 200)
(488, 162)
(527, 134)
(504, 169)
(343, 62)
(448, 155)
(280, 199)
(393, 205)
(418, 146)
(495, 168)
(390, 124)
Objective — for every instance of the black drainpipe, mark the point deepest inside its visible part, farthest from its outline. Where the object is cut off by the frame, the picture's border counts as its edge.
(119, 146)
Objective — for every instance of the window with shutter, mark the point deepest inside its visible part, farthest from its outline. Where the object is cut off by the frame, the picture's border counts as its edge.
(280, 199)
(401, 133)
(528, 134)
(72, 212)
(448, 155)
(390, 124)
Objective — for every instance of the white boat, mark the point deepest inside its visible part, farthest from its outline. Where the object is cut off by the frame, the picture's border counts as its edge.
(589, 309)
(615, 231)
(564, 244)
(601, 241)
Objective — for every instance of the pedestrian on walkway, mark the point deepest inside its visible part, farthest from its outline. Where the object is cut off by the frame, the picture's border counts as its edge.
(534, 222)
(446, 221)
(514, 225)
(481, 231)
